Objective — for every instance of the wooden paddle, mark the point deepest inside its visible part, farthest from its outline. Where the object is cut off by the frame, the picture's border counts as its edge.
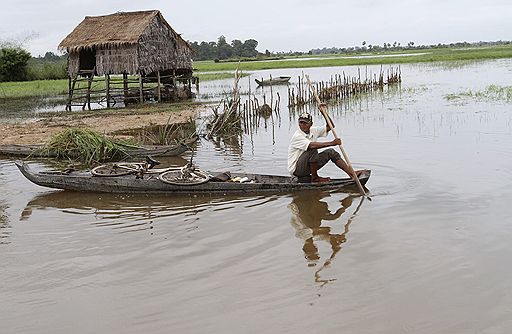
(329, 123)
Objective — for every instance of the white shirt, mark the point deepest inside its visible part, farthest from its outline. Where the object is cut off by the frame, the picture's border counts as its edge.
(300, 142)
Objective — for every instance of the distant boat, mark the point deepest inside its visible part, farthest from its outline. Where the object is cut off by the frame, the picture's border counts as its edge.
(274, 81)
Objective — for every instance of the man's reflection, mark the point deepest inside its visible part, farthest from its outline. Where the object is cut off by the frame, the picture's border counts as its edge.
(308, 212)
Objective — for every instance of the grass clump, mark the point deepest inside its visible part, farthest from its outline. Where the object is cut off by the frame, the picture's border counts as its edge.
(490, 93)
(86, 146)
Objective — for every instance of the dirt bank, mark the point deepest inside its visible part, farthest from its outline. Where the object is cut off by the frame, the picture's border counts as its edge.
(108, 122)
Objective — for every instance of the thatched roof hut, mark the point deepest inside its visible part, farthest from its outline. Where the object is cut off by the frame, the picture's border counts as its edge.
(132, 42)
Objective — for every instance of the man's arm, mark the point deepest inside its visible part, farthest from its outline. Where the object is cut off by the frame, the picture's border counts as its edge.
(318, 144)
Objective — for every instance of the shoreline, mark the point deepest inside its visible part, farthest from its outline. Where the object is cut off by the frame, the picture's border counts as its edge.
(105, 121)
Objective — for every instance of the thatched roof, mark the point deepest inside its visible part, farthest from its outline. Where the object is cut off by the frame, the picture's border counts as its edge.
(122, 28)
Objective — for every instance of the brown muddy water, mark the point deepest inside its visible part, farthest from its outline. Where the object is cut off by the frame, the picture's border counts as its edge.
(430, 253)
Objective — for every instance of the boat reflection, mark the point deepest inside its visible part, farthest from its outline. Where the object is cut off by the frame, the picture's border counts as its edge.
(126, 212)
(309, 212)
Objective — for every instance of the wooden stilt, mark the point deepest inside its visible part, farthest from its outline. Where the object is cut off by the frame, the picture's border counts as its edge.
(70, 95)
(107, 84)
(159, 87)
(88, 94)
(125, 86)
(141, 93)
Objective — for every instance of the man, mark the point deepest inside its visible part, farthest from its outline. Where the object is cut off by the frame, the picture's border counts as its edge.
(304, 160)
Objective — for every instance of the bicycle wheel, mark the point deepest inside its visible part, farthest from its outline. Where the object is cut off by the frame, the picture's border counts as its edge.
(119, 169)
(184, 177)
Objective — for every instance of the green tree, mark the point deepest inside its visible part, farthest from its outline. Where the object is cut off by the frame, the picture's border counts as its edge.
(13, 63)
(224, 50)
(250, 46)
(237, 47)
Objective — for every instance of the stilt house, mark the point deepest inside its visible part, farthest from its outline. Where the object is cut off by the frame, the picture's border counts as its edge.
(141, 46)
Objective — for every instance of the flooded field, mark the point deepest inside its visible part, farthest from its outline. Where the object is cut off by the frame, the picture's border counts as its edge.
(428, 254)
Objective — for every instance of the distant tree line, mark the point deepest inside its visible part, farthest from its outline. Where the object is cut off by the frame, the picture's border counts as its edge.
(396, 46)
(223, 50)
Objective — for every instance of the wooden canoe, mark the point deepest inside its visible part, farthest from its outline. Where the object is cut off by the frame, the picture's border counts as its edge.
(150, 184)
(35, 151)
(274, 81)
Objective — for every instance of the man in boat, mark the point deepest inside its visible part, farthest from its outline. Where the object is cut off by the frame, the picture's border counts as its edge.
(304, 160)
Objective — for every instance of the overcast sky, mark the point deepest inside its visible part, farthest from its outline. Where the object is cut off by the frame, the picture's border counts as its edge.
(278, 25)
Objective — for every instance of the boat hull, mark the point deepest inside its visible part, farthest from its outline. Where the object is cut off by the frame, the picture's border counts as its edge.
(150, 184)
(36, 151)
(273, 81)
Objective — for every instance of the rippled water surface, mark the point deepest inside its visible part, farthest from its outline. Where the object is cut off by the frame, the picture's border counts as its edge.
(429, 254)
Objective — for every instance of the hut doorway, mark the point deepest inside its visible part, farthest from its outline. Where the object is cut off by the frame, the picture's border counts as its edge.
(87, 59)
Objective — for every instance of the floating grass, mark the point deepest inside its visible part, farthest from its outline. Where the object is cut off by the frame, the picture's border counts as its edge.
(490, 93)
(86, 146)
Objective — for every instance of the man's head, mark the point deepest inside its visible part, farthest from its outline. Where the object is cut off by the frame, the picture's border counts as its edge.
(305, 122)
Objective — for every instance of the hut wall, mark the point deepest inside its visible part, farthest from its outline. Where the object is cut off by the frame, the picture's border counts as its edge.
(160, 48)
(73, 63)
(109, 60)
(116, 59)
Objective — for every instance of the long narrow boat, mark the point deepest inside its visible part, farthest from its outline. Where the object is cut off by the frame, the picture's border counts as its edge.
(274, 81)
(257, 183)
(36, 151)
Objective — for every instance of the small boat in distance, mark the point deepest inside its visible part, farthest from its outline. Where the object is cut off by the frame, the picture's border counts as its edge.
(273, 81)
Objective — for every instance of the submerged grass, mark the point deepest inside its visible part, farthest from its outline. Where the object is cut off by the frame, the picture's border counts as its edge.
(86, 146)
(490, 93)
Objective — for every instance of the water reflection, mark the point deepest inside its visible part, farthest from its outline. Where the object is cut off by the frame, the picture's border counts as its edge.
(231, 144)
(28, 107)
(128, 213)
(4, 225)
(309, 212)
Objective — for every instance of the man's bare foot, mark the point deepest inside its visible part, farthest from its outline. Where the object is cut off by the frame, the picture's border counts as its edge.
(319, 179)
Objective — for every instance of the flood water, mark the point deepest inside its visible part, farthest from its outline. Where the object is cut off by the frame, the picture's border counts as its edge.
(429, 254)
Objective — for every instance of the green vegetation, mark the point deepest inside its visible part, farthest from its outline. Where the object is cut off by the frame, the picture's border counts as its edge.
(491, 93)
(217, 76)
(49, 67)
(169, 133)
(37, 88)
(45, 88)
(86, 146)
(222, 50)
(13, 63)
(425, 55)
